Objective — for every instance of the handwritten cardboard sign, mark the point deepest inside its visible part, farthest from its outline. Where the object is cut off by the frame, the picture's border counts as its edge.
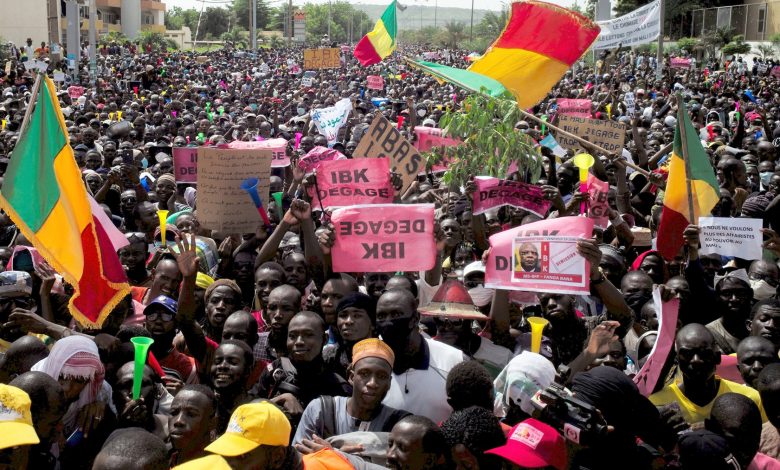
(609, 135)
(375, 82)
(316, 156)
(572, 107)
(222, 204)
(384, 238)
(540, 257)
(494, 192)
(598, 204)
(353, 182)
(324, 58)
(731, 237)
(278, 147)
(383, 140)
(185, 164)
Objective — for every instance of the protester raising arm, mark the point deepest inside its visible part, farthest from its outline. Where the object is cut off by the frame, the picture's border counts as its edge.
(187, 260)
(613, 300)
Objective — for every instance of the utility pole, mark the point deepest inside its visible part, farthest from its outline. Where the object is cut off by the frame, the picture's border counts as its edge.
(253, 21)
(329, 18)
(435, 12)
(92, 42)
(471, 30)
(290, 22)
(73, 43)
(659, 66)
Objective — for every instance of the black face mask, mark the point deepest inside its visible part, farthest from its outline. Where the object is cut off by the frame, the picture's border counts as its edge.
(636, 301)
(394, 332)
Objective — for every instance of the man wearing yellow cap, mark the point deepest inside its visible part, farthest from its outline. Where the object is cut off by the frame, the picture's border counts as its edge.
(369, 375)
(258, 437)
(17, 433)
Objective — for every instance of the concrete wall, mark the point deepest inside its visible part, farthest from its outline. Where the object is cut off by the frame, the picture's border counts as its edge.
(131, 18)
(22, 19)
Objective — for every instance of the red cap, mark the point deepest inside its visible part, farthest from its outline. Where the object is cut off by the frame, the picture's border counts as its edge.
(533, 444)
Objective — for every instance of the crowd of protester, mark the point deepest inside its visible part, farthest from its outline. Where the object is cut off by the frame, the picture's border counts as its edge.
(263, 358)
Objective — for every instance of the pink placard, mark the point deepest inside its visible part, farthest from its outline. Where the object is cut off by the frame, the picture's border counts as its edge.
(384, 238)
(598, 205)
(75, 91)
(429, 137)
(494, 192)
(352, 182)
(540, 257)
(375, 82)
(680, 63)
(277, 146)
(572, 107)
(312, 160)
(647, 378)
(185, 164)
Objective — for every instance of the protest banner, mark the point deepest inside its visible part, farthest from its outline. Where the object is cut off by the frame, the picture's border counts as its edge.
(312, 160)
(58, 76)
(330, 120)
(572, 107)
(540, 257)
(75, 91)
(494, 192)
(731, 237)
(609, 135)
(350, 182)
(384, 238)
(641, 26)
(553, 145)
(375, 82)
(278, 148)
(324, 58)
(307, 82)
(429, 137)
(630, 101)
(383, 140)
(680, 63)
(222, 204)
(598, 204)
(185, 164)
(648, 376)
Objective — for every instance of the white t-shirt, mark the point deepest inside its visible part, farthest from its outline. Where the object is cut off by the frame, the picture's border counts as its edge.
(424, 391)
(493, 356)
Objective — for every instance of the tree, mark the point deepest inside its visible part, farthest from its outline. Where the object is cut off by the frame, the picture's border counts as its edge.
(766, 51)
(237, 37)
(343, 18)
(215, 21)
(156, 40)
(490, 142)
(493, 23)
(736, 46)
(716, 39)
(177, 18)
(114, 36)
(688, 44)
(454, 33)
(242, 9)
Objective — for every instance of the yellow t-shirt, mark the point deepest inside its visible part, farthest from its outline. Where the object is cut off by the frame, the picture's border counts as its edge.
(695, 414)
(210, 462)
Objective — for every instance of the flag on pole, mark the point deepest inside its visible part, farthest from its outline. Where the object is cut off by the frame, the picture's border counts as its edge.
(379, 42)
(704, 190)
(48, 202)
(540, 42)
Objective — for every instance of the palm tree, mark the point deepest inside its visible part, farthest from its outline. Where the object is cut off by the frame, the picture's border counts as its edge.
(766, 51)
(236, 37)
(714, 40)
(454, 32)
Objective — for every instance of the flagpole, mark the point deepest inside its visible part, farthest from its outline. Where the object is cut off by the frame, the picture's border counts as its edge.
(683, 138)
(33, 101)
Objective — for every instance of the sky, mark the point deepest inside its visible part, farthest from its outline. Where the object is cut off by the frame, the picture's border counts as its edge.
(480, 4)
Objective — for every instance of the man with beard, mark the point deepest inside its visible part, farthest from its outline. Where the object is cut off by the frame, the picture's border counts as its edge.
(697, 355)
(283, 303)
(133, 259)
(160, 317)
(421, 364)
(734, 301)
(637, 289)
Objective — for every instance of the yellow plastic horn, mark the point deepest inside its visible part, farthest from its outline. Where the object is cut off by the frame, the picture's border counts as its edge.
(163, 216)
(583, 161)
(537, 327)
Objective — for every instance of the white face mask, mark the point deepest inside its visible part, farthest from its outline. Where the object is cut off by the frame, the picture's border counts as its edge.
(761, 289)
(481, 296)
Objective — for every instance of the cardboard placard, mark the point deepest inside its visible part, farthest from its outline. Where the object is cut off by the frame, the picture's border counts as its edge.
(324, 58)
(222, 204)
(572, 107)
(351, 182)
(384, 238)
(494, 192)
(375, 82)
(185, 164)
(316, 156)
(598, 204)
(277, 146)
(540, 257)
(609, 135)
(383, 140)
(648, 376)
(727, 236)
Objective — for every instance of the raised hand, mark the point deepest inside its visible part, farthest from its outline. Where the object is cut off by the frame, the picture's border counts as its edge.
(187, 256)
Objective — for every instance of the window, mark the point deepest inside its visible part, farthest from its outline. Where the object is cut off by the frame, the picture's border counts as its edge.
(761, 19)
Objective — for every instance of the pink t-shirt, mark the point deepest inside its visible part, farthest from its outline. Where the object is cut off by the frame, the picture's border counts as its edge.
(763, 462)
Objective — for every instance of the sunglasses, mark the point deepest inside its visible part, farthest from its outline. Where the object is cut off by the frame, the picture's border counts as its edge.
(153, 316)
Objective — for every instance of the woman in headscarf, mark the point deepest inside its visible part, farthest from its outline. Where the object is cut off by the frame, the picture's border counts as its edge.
(75, 363)
(516, 385)
(653, 264)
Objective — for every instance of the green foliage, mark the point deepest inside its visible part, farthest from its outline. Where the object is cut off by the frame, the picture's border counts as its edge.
(490, 142)
(688, 44)
(113, 36)
(242, 10)
(766, 51)
(343, 16)
(177, 17)
(154, 39)
(736, 46)
(238, 37)
(454, 32)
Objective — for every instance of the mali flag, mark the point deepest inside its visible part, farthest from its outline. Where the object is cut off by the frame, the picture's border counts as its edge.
(705, 192)
(540, 42)
(379, 42)
(46, 198)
